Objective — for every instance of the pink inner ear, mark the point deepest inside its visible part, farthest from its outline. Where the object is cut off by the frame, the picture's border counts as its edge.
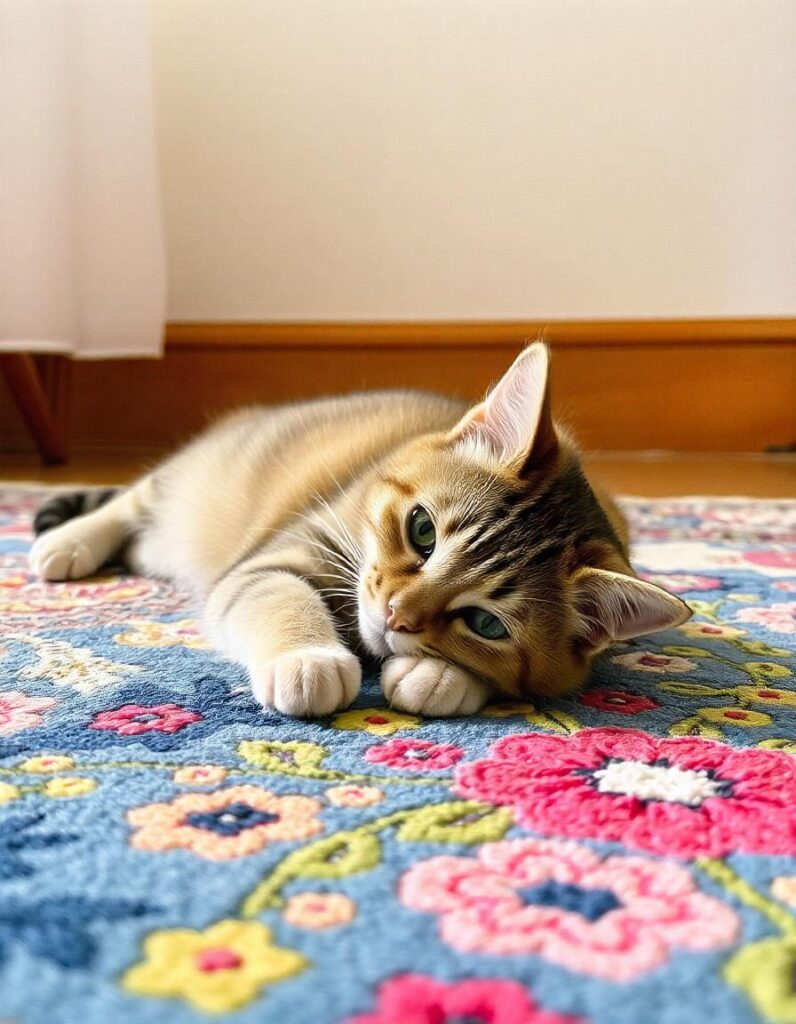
(612, 606)
(514, 419)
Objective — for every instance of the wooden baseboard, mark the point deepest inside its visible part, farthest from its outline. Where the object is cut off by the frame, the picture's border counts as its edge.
(625, 385)
(478, 334)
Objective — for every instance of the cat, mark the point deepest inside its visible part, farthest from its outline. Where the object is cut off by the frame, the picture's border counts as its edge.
(461, 547)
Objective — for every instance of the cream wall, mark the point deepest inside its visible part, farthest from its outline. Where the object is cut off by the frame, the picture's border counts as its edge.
(377, 159)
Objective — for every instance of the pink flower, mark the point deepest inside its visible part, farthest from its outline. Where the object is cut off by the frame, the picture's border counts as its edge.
(134, 719)
(682, 583)
(18, 711)
(414, 755)
(686, 796)
(772, 559)
(418, 999)
(648, 661)
(614, 918)
(621, 701)
(779, 618)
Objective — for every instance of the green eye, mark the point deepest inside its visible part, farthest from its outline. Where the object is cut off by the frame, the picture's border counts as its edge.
(485, 624)
(422, 532)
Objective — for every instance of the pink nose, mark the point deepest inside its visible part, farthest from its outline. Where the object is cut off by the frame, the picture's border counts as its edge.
(399, 620)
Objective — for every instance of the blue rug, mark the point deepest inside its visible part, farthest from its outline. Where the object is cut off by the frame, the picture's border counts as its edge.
(168, 852)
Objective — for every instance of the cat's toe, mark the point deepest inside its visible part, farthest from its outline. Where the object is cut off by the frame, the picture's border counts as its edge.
(308, 683)
(432, 687)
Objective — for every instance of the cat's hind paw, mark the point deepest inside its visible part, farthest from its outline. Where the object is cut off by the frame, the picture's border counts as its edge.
(309, 682)
(432, 687)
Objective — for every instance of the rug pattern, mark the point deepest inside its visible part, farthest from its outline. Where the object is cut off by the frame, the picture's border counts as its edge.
(170, 852)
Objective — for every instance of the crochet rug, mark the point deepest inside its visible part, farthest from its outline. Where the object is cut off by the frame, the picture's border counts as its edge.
(170, 852)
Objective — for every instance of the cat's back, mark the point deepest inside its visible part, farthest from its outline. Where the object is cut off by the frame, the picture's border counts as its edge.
(260, 466)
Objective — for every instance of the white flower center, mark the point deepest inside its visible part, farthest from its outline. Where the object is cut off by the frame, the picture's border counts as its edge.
(656, 782)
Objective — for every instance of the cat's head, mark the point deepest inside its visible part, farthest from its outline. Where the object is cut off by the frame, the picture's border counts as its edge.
(487, 547)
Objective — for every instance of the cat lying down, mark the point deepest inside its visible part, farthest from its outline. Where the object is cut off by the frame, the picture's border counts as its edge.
(463, 548)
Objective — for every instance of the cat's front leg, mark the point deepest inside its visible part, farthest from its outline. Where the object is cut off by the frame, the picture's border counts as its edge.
(276, 624)
(433, 687)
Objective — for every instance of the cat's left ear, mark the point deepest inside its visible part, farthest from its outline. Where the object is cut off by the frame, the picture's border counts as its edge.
(611, 606)
(513, 426)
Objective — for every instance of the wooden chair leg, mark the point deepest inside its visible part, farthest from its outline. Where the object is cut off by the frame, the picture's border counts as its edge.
(42, 412)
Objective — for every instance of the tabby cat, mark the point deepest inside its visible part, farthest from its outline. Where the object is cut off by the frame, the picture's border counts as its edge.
(463, 548)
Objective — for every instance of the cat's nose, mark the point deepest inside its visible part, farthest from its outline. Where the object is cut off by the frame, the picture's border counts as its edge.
(399, 619)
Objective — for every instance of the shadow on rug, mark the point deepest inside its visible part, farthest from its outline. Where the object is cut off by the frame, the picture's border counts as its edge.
(169, 852)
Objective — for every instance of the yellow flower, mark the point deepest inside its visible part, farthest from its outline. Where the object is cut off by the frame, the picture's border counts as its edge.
(69, 785)
(378, 721)
(47, 763)
(735, 716)
(184, 633)
(217, 971)
(8, 793)
(767, 669)
(767, 695)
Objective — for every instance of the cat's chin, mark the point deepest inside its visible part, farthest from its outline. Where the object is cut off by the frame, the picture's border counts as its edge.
(401, 643)
(373, 635)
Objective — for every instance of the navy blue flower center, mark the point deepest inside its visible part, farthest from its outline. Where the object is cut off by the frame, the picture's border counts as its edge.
(232, 820)
(589, 903)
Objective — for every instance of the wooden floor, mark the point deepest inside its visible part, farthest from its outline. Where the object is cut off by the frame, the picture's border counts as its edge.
(644, 474)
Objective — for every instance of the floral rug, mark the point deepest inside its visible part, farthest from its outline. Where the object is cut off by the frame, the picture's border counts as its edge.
(168, 852)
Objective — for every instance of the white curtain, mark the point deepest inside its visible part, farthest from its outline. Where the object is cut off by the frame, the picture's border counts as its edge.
(82, 267)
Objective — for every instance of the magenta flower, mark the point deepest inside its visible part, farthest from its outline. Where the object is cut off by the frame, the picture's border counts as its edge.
(18, 711)
(418, 999)
(614, 918)
(414, 755)
(621, 701)
(134, 719)
(686, 796)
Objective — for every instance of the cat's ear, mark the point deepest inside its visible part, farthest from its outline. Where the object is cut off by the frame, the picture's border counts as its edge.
(611, 606)
(513, 426)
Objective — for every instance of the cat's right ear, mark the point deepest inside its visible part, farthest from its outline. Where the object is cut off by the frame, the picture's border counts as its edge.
(513, 426)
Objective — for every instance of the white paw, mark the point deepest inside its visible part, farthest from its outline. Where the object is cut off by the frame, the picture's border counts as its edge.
(309, 682)
(65, 553)
(432, 687)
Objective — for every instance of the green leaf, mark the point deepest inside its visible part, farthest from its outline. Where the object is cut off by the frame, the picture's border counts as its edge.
(556, 721)
(779, 743)
(695, 726)
(694, 690)
(343, 854)
(758, 647)
(688, 652)
(462, 821)
(290, 758)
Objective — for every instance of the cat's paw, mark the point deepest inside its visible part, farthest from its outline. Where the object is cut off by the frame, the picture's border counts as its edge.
(309, 682)
(66, 553)
(432, 687)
